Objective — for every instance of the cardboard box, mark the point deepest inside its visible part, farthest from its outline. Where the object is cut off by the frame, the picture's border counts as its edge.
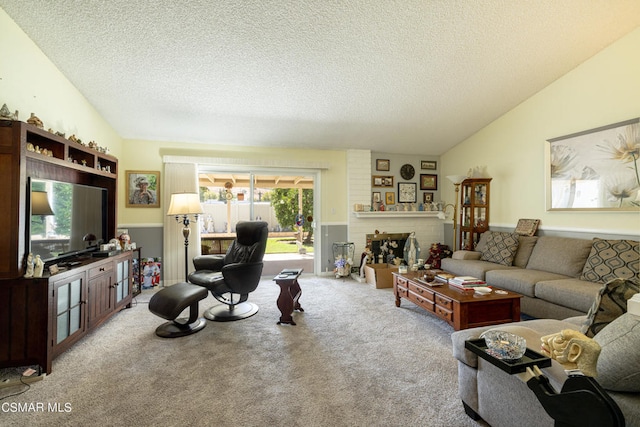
(379, 275)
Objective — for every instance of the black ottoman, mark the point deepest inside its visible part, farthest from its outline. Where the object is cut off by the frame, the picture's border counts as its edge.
(173, 300)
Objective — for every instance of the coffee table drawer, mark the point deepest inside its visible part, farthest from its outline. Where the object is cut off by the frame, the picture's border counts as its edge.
(421, 301)
(444, 313)
(418, 290)
(444, 302)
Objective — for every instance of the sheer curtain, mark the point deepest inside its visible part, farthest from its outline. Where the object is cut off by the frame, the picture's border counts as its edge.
(178, 178)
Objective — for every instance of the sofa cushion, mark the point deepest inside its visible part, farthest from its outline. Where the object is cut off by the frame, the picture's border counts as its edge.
(525, 247)
(469, 267)
(561, 255)
(500, 247)
(572, 293)
(610, 303)
(609, 259)
(466, 255)
(619, 361)
(522, 281)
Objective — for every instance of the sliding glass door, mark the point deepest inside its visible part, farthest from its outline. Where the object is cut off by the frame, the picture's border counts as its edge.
(283, 199)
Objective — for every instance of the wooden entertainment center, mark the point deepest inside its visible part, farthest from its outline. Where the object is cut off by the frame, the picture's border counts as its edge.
(40, 318)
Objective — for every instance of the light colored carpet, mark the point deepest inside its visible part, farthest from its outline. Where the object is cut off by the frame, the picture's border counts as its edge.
(353, 359)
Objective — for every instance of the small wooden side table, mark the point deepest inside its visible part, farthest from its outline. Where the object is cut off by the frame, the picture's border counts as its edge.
(289, 294)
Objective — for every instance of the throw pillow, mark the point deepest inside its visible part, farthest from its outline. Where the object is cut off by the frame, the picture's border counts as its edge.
(619, 361)
(610, 303)
(500, 248)
(609, 259)
(482, 243)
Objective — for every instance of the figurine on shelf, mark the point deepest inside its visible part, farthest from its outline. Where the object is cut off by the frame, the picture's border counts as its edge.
(125, 241)
(34, 120)
(29, 267)
(38, 267)
(74, 138)
(5, 113)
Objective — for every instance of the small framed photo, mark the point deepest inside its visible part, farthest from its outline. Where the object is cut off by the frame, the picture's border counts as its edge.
(383, 164)
(427, 197)
(381, 181)
(429, 165)
(428, 182)
(390, 198)
(143, 189)
(376, 197)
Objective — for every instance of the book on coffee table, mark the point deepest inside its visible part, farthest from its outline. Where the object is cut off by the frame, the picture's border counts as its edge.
(466, 282)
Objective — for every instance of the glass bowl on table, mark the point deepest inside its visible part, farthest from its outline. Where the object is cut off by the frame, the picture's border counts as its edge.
(504, 345)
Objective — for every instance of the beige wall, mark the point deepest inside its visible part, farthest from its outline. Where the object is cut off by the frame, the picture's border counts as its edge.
(30, 82)
(601, 91)
(147, 155)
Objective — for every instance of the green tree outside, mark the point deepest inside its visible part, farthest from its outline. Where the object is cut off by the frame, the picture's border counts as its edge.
(285, 204)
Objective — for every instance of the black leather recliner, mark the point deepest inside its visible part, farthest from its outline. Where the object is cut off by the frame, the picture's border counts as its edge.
(231, 277)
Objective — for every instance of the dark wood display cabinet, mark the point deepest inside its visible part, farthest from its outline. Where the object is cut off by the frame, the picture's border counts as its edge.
(42, 317)
(474, 211)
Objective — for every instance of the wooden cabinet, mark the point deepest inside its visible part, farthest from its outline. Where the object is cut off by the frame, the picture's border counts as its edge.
(57, 311)
(100, 287)
(474, 211)
(42, 317)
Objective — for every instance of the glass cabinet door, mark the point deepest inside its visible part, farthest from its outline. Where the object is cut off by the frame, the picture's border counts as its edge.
(69, 309)
(123, 279)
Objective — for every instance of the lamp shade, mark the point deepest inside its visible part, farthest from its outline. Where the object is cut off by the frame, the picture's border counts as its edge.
(185, 204)
(456, 179)
(40, 203)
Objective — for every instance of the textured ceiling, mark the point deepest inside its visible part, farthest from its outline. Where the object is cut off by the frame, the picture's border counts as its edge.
(393, 76)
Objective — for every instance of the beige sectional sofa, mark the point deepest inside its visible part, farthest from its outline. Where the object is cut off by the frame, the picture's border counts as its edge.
(559, 277)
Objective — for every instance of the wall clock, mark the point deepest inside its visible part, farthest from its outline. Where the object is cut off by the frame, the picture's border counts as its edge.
(407, 192)
(407, 171)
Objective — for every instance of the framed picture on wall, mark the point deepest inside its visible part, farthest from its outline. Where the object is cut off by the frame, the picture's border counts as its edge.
(429, 165)
(407, 192)
(428, 182)
(376, 197)
(142, 189)
(390, 198)
(427, 197)
(595, 169)
(383, 164)
(381, 181)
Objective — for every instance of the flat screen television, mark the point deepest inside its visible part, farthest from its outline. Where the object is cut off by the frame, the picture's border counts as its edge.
(63, 229)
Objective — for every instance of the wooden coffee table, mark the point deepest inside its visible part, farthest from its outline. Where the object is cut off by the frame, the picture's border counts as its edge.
(462, 309)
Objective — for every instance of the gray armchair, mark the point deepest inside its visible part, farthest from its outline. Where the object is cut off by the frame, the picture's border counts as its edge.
(232, 277)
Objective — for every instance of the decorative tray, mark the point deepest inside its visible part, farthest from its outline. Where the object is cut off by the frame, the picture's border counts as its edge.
(530, 358)
(434, 283)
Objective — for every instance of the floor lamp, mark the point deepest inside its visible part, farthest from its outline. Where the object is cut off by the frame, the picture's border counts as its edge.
(183, 205)
(457, 180)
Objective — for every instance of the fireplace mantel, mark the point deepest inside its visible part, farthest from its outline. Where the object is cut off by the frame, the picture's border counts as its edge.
(396, 214)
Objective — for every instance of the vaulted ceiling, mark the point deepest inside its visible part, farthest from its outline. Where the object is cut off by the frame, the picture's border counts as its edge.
(400, 76)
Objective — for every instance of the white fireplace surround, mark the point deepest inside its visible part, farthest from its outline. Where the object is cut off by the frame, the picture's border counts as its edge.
(429, 228)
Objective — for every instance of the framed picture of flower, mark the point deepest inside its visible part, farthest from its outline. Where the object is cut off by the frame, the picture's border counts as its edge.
(596, 169)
